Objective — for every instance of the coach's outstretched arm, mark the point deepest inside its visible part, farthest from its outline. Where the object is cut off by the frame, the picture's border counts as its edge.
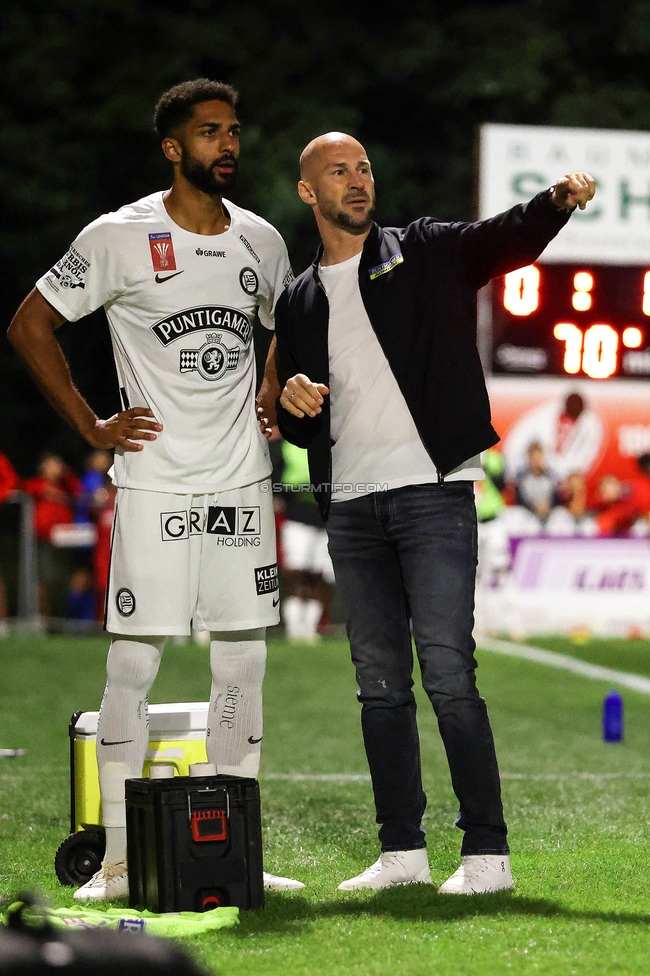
(518, 236)
(31, 333)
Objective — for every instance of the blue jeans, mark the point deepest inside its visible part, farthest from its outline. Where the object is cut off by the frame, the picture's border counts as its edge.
(401, 557)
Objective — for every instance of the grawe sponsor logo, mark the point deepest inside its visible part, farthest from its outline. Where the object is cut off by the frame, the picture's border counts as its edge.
(203, 253)
(202, 317)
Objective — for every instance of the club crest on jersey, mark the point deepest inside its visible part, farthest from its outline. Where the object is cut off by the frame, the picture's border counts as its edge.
(125, 602)
(203, 317)
(212, 360)
(162, 251)
(249, 281)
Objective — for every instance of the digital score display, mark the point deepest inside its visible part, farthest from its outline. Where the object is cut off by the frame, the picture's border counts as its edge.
(572, 320)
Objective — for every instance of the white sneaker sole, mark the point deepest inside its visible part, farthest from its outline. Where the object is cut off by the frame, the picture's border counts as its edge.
(274, 883)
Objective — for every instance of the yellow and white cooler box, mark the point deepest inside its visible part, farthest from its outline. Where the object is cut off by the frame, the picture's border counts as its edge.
(176, 737)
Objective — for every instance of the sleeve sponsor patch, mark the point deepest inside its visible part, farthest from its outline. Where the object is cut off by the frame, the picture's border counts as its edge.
(249, 248)
(70, 271)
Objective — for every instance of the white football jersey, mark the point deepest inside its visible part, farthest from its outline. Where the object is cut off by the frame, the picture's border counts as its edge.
(180, 307)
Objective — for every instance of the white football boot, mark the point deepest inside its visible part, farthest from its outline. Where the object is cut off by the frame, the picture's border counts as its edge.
(272, 882)
(392, 868)
(111, 881)
(479, 874)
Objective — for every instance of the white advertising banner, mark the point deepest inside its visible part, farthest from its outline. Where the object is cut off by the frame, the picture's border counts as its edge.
(562, 585)
(517, 161)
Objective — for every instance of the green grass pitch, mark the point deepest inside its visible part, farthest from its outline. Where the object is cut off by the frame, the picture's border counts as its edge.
(578, 812)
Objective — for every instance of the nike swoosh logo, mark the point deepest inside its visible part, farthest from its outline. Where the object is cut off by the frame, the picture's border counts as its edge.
(276, 601)
(122, 742)
(254, 741)
(160, 280)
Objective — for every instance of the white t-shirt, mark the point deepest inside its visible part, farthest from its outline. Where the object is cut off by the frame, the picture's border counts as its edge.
(180, 307)
(376, 442)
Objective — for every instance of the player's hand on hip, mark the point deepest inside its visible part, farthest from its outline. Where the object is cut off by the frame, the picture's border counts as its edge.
(264, 421)
(300, 396)
(125, 429)
(574, 190)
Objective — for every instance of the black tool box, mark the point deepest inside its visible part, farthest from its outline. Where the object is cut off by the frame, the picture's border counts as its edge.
(194, 843)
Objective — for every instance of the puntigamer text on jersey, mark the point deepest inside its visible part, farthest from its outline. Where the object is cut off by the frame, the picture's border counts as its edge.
(204, 317)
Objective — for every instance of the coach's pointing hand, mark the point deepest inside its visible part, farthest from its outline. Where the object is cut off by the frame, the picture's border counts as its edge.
(574, 190)
(124, 429)
(300, 396)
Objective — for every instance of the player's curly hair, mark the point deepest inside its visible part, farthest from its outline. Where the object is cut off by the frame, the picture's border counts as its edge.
(175, 106)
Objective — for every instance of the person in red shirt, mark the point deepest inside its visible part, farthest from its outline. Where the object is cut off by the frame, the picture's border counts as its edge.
(8, 478)
(8, 484)
(54, 490)
(633, 505)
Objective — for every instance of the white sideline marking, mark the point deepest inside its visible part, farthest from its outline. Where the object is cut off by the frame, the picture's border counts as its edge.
(365, 778)
(563, 776)
(321, 777)
(634, 681)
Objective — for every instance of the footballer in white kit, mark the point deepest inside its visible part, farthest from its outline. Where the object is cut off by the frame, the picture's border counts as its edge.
(194, 534)
(182, 275)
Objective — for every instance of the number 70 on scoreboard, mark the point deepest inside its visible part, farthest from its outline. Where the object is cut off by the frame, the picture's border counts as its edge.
(572, 320)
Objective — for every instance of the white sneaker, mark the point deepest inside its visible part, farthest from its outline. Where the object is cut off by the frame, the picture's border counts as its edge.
(478, 874)
(111, 881)
(392, 868)
(272, 882)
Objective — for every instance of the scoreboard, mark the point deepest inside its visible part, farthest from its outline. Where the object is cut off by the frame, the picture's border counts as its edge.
(572, 320)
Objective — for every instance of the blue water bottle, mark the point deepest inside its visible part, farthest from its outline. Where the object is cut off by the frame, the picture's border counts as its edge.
(613, 717)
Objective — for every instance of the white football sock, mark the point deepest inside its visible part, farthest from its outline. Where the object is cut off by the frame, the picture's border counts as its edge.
(312, 613)
(123, 729)
(293, 616)
(238, 662)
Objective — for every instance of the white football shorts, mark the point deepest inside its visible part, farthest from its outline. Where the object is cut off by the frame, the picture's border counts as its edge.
(305, 548)
(207, 560)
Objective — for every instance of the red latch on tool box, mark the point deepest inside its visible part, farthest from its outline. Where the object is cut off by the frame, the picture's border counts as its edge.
(207, 825)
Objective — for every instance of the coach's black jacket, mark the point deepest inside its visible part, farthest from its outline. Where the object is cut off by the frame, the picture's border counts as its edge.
(418, 285)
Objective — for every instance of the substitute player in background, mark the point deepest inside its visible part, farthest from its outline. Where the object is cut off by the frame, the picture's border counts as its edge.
(181, 275)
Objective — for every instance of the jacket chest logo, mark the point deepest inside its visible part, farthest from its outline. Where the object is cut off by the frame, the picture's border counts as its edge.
(387, 266)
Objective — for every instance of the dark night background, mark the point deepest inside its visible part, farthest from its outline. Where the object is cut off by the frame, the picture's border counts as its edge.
(80, 79)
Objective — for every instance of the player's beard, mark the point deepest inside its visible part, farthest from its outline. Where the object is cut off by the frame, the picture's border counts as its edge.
(207, 178)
